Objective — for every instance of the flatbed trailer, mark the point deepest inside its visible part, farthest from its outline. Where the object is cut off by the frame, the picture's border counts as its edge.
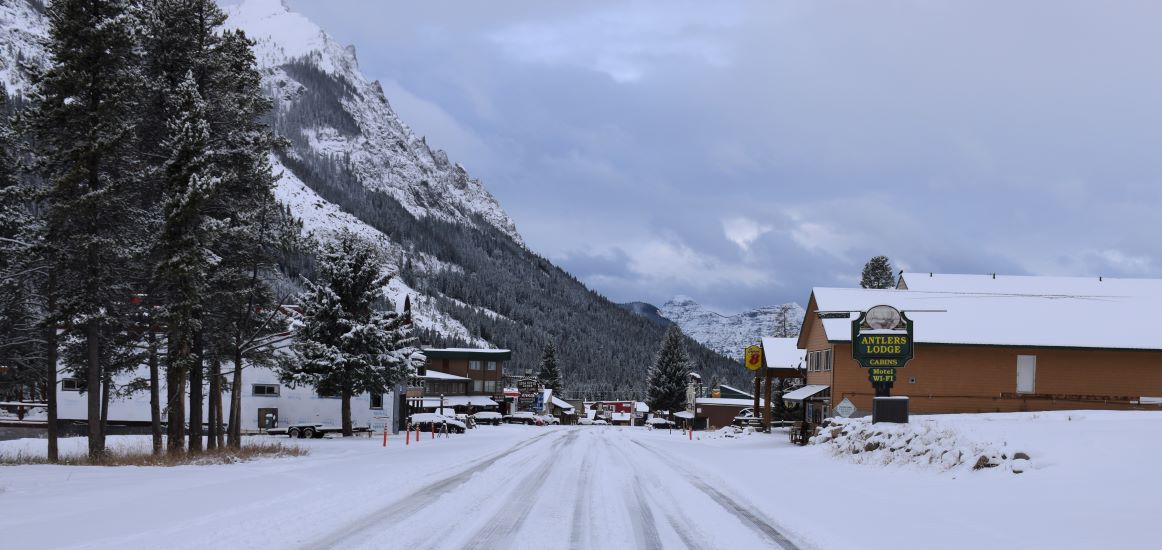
(314, 431)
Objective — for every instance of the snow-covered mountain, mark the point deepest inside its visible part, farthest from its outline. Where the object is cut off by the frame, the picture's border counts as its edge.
(731, 334)
(383, 152)
(352, 163)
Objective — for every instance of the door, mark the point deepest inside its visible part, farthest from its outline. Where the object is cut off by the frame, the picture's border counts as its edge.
(1026, 373)
(267, 418)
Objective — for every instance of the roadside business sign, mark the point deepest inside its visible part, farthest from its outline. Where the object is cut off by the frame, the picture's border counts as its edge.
(845, 408)
(881, 342)
(882, 337)
(754, 357)
(529, 389)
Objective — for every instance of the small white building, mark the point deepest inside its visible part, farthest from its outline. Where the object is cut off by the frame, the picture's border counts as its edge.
(266, 403)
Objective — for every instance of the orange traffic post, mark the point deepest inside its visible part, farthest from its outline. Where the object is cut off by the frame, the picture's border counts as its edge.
(691, 434)
(385, 434)
(433, 430)
(407, 438)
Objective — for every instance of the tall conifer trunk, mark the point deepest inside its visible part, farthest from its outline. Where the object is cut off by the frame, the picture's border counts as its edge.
(154, 392)
(196, 395)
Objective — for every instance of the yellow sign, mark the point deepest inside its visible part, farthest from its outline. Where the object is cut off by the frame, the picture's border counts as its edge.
(754, 357)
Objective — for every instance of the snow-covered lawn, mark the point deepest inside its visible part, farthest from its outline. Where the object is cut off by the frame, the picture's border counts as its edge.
(1091, 482)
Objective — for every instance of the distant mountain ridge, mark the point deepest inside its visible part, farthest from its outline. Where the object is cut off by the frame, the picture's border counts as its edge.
(648, 311)
(729, 335)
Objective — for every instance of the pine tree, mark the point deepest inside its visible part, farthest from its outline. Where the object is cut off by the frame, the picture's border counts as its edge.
(666, 382)
(83, 120)
(345, 347)
(877, 273)
(186, 260)
(549, 375)
(786, 326)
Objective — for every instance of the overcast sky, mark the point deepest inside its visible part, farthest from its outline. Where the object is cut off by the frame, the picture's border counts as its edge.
(743, 152)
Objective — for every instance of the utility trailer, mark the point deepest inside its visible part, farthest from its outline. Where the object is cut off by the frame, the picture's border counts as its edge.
(314, 431)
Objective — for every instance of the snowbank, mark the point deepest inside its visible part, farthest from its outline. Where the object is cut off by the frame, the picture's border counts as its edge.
(926, 443)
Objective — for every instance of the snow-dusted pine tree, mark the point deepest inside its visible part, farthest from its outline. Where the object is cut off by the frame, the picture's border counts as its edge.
(185, 257)
(83, 120)
(346, 347)
(877, 273)
(667, 378)
(550, 375)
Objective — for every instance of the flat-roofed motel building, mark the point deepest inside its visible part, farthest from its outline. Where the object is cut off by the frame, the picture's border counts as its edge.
(987, 343)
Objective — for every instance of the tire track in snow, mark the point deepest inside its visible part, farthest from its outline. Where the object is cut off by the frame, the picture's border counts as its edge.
(641, 516)
(582, 505)
(731, 505)
(414, 502)
(641, 492)
(507, 521)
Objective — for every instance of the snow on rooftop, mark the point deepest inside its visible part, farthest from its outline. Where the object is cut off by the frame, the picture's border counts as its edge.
(783, 353)
(1064, 312)
(468, 350)
(437, 375)
(728, 401)
(1029, 284)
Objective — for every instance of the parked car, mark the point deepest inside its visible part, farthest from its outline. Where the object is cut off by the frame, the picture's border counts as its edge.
(488, 417)
(744, 417)
(659, 423)
(523, 417)
(549, 419)
(467, 420)
(425, 421)
(600, 422)
(585, 421)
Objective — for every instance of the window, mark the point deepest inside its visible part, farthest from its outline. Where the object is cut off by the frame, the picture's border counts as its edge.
(490, 386)
(826, 366)
(474, 365)
(810, 361)
(265, 389)
(377, 401)
(478, 386)
(1026, 373)
(492, 365)
(72, 384)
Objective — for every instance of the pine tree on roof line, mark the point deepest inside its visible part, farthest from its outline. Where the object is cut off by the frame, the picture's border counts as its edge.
(877, 273)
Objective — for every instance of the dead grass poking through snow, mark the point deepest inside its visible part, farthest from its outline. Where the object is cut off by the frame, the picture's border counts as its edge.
(136, 456)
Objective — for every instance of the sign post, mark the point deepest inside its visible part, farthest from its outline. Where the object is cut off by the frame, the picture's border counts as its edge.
(881, 342)
(753, 360)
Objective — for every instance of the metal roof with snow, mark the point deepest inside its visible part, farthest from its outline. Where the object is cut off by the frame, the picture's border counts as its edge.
(804, 392)
(460, 400)
(437, 375)
(1068, 313)
(783, 353)
(468, 353)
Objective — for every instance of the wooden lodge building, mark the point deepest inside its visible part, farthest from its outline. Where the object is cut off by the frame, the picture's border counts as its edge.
(468, 379)
(996, 344)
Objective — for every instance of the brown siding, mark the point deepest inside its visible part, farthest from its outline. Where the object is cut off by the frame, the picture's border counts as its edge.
(718, 416)
(984, 379)
(959, 379)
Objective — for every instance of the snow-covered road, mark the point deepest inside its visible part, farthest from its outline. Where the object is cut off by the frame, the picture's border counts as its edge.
(496, 487)
(1091, 483)
(565, 488)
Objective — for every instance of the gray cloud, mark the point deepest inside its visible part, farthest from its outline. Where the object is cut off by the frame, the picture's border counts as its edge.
(627, 138)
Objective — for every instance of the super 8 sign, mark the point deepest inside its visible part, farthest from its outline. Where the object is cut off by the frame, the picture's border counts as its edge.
(754, 357)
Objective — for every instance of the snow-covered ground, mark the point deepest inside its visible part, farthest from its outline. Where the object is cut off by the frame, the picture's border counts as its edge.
(1092, 482)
